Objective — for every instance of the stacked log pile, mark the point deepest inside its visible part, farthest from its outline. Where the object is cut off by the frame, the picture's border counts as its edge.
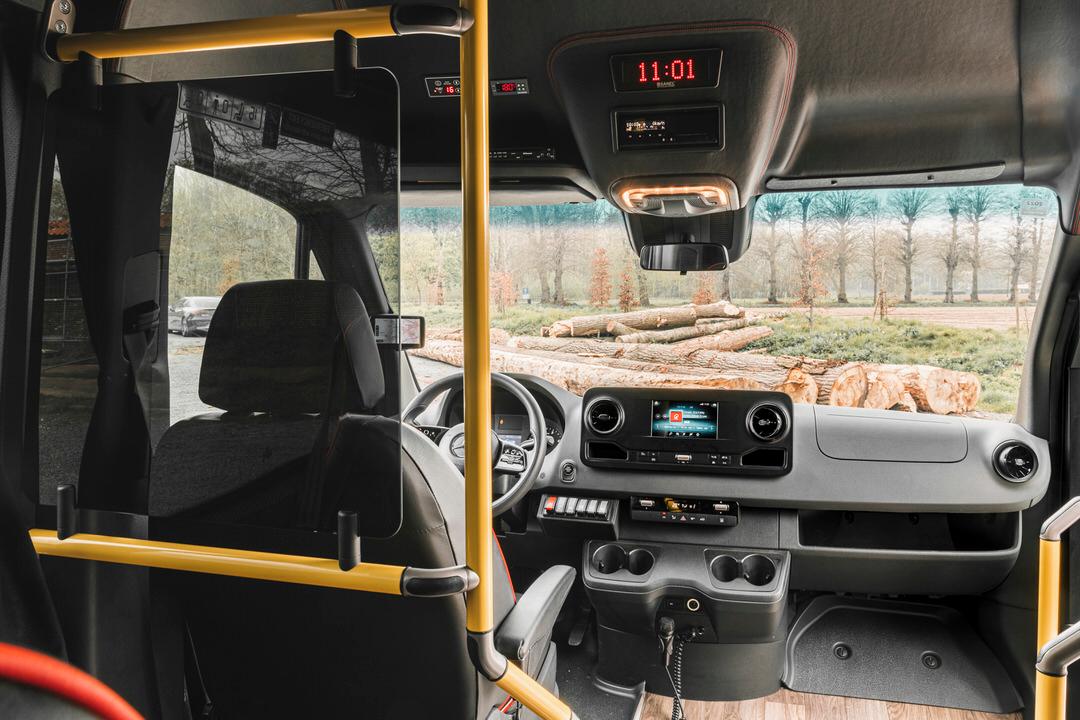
(697, 346)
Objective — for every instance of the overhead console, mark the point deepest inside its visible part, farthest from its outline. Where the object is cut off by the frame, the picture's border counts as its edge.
(734, 432)
(705, 99)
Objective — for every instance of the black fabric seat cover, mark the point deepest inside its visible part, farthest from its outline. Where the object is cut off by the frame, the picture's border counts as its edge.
(276, 650)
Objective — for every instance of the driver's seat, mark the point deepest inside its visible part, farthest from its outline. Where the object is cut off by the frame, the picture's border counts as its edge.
(282, 359)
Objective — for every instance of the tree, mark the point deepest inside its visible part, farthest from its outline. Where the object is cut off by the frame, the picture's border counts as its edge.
(773, 209)
(909, 206)
(1036, 257)
(876, 242)
(642, 288)
(600, 280)
(725, 284)
(977, 204)
(807, 253)
(626, 289)
(1016, 251)
(841, 210)
(951, 252)
(703, 294)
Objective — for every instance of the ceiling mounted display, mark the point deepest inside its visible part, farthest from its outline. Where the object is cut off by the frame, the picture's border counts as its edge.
(666, 70)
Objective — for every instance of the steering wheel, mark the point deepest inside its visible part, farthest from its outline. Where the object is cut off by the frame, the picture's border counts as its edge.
(516, 466)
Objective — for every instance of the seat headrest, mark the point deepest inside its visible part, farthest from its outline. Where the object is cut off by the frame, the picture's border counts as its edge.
(274, 346)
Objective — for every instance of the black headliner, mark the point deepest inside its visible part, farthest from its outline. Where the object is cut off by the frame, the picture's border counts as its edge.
(879, 87)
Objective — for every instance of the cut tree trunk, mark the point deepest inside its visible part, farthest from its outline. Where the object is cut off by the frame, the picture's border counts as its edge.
(701, 328)
(736, 362)
(937, 390)
(884, 390)
(843, 386)
(724, 341)
(498, 335)
(576, 376)
(649, 319)
(927, 388)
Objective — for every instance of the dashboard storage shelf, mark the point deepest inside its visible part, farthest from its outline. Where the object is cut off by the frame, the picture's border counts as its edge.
(900, 553)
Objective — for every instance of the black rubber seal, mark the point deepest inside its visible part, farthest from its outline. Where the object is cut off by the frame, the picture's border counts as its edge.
(429, 20)
(485, 658)
(434, 587)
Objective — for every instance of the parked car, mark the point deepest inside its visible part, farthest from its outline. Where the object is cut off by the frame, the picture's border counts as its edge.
(192, 315)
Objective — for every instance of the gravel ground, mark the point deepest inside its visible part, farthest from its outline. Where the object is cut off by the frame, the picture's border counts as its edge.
(185, 362)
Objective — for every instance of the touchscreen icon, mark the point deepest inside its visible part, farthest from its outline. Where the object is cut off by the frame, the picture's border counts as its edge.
(675, 416)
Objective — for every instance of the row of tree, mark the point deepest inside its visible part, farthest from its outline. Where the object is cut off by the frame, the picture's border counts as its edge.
(955, 243)
(828, 233)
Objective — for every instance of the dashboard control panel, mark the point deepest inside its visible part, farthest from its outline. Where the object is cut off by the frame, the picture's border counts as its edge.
(684, 511)
(736, 432)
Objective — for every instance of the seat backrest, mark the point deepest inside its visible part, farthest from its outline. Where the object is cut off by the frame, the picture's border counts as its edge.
(278, 650)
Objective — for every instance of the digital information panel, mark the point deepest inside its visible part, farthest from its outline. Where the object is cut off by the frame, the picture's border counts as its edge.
(683, 419)
(666, 70)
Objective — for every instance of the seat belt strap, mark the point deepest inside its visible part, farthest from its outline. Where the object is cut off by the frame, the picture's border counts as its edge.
(140, 325)
(198, 696)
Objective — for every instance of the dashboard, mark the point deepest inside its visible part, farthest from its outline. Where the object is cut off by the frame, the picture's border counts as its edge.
(814, 457)
(860, 500)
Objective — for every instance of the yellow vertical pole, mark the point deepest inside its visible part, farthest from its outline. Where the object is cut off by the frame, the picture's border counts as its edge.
(474, 210)
(1049, 608)
(1050, 696)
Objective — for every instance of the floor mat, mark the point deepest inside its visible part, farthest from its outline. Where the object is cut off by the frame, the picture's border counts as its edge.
(788, 705)
(589, 698)
(895, 651)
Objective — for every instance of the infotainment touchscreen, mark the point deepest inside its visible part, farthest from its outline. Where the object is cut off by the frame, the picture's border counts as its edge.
(684, 419)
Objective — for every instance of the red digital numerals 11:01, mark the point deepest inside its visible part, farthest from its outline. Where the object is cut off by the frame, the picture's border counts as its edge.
(677, 70)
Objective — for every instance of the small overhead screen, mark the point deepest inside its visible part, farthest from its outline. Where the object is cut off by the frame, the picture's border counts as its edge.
(666, 70)
(656, 128)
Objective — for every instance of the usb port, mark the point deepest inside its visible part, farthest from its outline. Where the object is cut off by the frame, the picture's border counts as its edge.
(683, 457)
(646, 504)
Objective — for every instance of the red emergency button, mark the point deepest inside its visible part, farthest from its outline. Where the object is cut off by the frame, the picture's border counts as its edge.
(549, 505)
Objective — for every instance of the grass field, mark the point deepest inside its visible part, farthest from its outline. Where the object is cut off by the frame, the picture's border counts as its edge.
(991, 351)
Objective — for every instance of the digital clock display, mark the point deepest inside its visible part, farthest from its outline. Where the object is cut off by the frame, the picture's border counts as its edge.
(666, 70)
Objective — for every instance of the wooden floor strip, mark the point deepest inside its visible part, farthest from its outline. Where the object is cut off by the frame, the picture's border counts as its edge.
(787, 705)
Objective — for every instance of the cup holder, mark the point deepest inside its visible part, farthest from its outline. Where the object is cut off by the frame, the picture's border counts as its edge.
(758, 570)
(639, 561)
(609, 558)
(725, 568)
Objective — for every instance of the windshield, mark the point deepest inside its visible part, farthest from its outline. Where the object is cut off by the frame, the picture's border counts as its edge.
(914, 300)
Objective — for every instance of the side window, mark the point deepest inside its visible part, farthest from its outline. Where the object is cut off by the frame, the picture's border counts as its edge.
(220, 235)
(69, 366)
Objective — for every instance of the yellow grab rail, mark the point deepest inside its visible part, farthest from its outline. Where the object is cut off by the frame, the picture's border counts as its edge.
(228, 34)
(1055, 652)
(369, 577)
(470, 23)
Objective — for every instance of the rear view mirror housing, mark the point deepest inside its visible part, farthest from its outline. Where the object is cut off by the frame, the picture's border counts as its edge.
(684, 257)
(729, 230)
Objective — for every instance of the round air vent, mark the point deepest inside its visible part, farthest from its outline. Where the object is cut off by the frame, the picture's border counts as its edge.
(604, 415)
(1015, 461)
(767, 422)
